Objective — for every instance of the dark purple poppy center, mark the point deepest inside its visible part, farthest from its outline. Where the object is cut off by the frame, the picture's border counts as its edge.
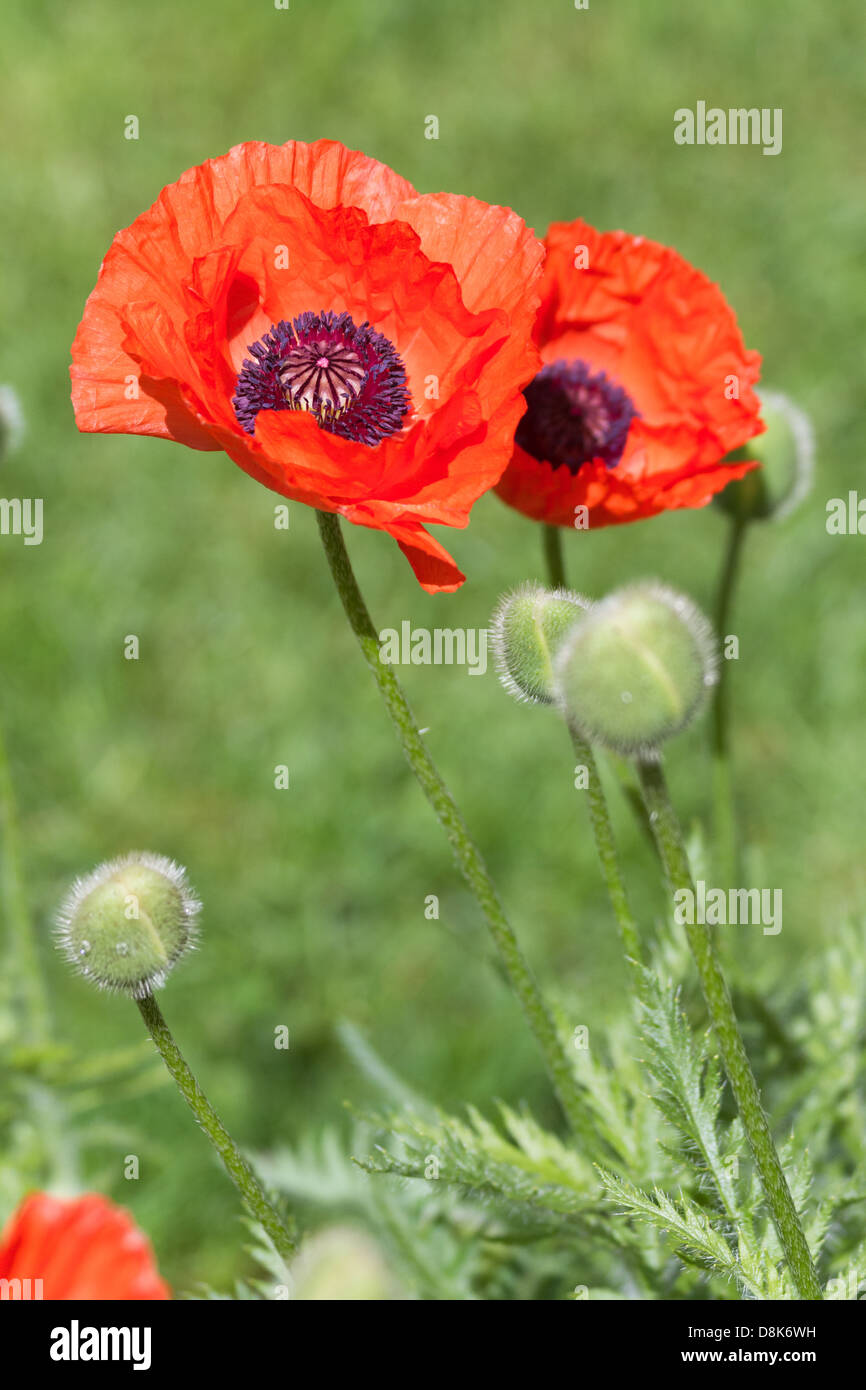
(350, 378)
(574, 415)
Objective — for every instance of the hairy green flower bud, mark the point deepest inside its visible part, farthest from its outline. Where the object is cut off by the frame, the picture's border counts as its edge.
(786, 452)
(126, 924)
(342, 1262)
(527, 630)
(636, 669)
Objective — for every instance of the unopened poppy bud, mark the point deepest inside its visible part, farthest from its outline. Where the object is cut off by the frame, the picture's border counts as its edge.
(635, 670)
(342, 1262)
(528, 629)
(126, 925)
(786, 452)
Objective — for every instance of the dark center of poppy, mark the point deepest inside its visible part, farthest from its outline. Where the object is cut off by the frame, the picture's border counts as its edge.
(350, 378)
(574, 415)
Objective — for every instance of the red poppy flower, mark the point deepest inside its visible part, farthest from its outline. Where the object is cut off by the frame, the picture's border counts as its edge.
(79, 1248)
(348, 342)
(646, 385)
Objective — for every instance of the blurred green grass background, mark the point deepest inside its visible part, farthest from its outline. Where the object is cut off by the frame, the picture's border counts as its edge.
(314, 897)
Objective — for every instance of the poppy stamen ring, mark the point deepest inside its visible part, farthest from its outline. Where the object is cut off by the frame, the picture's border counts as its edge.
(350, 378)
(575, 415)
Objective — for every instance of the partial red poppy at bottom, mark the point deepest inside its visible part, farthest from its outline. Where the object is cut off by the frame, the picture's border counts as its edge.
(77, 1248)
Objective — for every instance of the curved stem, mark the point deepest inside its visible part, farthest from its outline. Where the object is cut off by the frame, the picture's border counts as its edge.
(236, 1165)
(599, 814)
(725, 824)
(466, 853)
(552, 540)
(672, 853)
(605, 844)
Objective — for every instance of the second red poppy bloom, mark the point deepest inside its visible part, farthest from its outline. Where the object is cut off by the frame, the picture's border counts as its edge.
(646, 385)
(351, 344)
(77, 1248)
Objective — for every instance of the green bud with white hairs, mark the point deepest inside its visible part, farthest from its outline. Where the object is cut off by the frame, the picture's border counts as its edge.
(786, 452)
(636, 669)
(127, 924)
(528, 628)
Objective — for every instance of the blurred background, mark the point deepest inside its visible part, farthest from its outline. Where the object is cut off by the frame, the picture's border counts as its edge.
(314, 896)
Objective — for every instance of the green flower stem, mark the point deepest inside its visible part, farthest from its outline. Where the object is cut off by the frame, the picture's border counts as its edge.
(24, 967)
(723, 797)
(466, 853)
(552, 541)
(599, 814)
(236, 1165)
(605, 844)
(632, 793)
(672, 853)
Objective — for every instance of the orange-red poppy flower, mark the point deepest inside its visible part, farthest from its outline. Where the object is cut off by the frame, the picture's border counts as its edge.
(646, 385)
(79, 1248)
(351, 344)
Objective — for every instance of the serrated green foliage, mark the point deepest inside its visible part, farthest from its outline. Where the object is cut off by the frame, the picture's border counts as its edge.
(689, 1228)
(525, 1167)
(687, 1089)
(432, 1240)
(657, 1198)
(828, 1011)
(848, 1280)
(624, 1130)
(676, 1176)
